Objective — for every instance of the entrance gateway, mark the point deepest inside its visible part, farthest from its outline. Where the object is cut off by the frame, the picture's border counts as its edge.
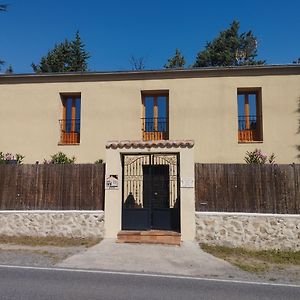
(151, 188)
(150, 191)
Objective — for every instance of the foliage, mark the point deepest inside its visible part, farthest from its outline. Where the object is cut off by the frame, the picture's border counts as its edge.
(10, 157)
(9, 70)
(175, 62)
(137, 63)
(255, 261)
(99, 161)
(3, 7)
(297, 61)
(230, 49)
(57, 241)
(60, 158)
(19, 158)
(258, 157)
(64, 57)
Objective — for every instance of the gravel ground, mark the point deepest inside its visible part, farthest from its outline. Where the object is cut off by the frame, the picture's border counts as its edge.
(42, 256)
(289, 274)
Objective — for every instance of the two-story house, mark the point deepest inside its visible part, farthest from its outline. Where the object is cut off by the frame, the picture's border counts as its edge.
(150, 127)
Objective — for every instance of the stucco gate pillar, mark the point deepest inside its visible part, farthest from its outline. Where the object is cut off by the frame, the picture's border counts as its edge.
(113, 177)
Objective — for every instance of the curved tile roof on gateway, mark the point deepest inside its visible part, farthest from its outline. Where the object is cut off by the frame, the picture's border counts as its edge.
(149, 144)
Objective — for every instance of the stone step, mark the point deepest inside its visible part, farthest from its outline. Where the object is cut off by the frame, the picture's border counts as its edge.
(149, 237)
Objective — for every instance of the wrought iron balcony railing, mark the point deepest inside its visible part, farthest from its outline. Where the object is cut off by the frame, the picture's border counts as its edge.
(69, 131)
(249, 128)
(155, 129)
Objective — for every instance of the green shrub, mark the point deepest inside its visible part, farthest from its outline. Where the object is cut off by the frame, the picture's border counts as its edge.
(258, 157)
(60, 158)
(99, 161)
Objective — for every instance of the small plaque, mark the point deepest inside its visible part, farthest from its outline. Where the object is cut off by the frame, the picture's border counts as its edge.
(112, 182)
(187, 182)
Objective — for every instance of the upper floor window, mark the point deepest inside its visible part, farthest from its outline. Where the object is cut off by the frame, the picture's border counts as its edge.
(70, 122)
(249, 115)
(155, 116)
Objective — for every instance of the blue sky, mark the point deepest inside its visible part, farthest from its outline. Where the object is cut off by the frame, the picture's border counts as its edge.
(113, 30)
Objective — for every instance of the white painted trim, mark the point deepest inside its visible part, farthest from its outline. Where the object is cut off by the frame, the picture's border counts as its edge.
(213, 213)
(50, 211)
(150, 275)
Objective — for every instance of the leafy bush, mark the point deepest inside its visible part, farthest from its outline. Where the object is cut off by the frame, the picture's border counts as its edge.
(99, 161)
(258, 157)
(4, 158)
(60, 158)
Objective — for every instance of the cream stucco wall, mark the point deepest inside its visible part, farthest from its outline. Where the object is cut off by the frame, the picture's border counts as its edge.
(202, 109)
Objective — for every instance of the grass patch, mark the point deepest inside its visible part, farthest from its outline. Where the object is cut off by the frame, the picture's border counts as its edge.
(49, 241)
(254, 261)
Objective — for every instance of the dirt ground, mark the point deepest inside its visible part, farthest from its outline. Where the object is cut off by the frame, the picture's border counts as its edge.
(48, 252)
(42, 252)
(272, 265)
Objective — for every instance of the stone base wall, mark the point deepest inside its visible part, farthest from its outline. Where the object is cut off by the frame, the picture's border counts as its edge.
(76, 224)
(252, 231)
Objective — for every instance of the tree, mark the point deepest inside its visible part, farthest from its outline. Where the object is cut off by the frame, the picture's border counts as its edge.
(3, 7)
(175, 62)
(79, 55)
(297, 61)
(230, 49)
(137, 63)
(9, 70)
(64, 57)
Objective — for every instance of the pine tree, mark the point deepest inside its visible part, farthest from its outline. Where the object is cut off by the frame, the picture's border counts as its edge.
(175, 62)
(79, 56)
(3, 7)
(230, 49)
(64, 57)
(9, 70)
(297, 61)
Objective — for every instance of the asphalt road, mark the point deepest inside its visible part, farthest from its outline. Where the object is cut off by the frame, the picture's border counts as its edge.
(38, 283)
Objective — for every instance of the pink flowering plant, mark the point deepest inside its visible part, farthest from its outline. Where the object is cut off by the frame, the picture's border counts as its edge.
(8, 157)
(258, 157)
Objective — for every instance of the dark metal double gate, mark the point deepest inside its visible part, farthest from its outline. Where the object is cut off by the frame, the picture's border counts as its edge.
(151, 194)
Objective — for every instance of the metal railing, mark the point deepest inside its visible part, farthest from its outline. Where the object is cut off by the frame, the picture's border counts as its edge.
(155, 129)
(69, 131)
(249, 128)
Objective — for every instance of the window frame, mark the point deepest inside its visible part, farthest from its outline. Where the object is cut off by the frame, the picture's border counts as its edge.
(247, 135)
(155, 134)
(71, 137)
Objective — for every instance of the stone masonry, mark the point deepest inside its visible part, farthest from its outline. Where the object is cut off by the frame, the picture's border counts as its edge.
(252, 231)
(77, 224)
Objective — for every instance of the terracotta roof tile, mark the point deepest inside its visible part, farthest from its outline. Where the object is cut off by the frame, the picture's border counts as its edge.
(127, 144)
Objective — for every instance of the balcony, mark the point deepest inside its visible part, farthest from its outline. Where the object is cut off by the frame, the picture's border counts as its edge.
(249, 129)
(154, 129)
(69, 131)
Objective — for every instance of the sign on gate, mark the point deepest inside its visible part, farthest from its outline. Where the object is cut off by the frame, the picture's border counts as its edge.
(111, 182)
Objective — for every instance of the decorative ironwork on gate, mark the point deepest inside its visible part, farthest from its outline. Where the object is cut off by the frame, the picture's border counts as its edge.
(151, 190)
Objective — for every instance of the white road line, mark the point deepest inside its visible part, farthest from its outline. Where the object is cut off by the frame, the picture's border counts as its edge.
(150, 275)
